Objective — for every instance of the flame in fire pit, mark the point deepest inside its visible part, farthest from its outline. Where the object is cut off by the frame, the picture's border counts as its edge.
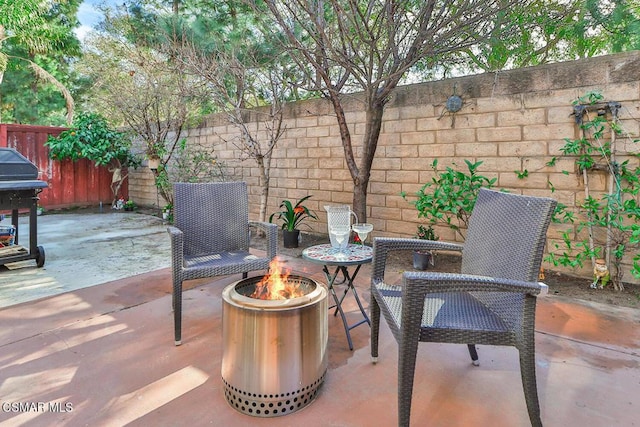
(275, 285)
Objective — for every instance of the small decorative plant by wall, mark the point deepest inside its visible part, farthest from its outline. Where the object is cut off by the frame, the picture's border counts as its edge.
(605, 224)
(450, 196)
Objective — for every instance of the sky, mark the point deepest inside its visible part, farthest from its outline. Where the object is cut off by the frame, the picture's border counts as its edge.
(89, 15)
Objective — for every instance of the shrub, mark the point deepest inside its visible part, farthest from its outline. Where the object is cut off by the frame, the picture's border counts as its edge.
(450, 197)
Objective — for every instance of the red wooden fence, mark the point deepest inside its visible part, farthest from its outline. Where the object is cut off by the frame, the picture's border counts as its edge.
(80, 183)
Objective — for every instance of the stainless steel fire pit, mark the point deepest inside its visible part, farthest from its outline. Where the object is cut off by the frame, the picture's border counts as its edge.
(274, 351)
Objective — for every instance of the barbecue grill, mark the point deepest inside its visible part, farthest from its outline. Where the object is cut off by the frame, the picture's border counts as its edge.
(19, 189)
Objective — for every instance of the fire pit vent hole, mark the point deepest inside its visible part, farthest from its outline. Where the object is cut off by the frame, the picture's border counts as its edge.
(273, 404)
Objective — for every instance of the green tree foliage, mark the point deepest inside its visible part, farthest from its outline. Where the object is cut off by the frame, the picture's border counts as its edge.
(26, 22)
(525, 34)
(140, 83)
(348, 46)
(92, 138)
(29, 99)
(339, 47)
(219, 46)
(240, 58)
(619, 23)
(546, 31)
(36, 44)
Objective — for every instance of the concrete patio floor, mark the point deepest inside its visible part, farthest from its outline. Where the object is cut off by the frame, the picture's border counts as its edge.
(104, 356)
(85, 249)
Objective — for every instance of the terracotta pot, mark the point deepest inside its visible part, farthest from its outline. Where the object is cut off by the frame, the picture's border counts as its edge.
(290, 238)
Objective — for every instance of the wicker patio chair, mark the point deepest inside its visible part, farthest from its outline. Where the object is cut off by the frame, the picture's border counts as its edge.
(210, 236)
(492, 301)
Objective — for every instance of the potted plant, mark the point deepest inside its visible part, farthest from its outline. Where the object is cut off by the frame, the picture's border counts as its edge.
(292, 216)
(422, 258)
(129, 205)
(167, 213)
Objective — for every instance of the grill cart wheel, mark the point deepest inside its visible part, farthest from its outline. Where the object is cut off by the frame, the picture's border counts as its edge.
(40, 256)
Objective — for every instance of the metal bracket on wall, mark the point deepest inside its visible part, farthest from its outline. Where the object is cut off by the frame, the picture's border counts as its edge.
(601, 108)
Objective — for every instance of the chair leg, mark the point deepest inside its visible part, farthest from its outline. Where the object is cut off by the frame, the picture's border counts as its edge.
(528, 373)
(374, 315)
(406, 371)
(527, 350)
(474, 354)
(177, 310)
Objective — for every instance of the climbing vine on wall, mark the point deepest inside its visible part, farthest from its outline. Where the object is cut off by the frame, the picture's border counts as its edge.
(605, 224)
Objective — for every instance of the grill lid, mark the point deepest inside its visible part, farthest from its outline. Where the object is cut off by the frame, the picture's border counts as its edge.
(16, 167)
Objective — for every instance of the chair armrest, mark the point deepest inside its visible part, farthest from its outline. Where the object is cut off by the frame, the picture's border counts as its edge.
(271, 233)
(174, 232)
(435, 282)
(177, 246)
(383, 245)
(417, 285)
(544, 289)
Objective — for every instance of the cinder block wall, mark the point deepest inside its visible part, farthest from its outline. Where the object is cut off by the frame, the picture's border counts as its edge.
(512, 121)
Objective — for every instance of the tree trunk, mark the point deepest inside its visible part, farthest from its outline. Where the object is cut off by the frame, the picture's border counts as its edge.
(163, 191)
(363, 173)
(264, 164)
(360, 200)
(116, 180)
(360, 171)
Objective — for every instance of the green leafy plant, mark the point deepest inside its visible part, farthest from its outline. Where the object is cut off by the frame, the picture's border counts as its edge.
(609, 221)
(451, 195)
(293, 215)
(426, 233)
(191, 163)
(167, 213)
(92, 138)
